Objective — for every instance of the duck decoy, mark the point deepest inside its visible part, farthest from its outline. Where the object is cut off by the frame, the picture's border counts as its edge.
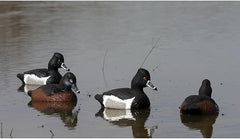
(201, 103)
(45, 76)
(64, 91)
(128, 98)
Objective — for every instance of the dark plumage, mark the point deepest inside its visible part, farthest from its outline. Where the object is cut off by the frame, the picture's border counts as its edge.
(45, 76)
(128, 98)
(202, 103)
(64, 91)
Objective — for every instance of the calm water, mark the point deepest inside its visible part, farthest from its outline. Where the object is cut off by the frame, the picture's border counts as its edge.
(198, 40)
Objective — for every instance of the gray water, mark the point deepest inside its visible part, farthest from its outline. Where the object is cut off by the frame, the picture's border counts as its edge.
(197, 40)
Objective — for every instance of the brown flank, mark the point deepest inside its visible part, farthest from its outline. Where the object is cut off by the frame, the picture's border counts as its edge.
(39, 95)
(206, 106)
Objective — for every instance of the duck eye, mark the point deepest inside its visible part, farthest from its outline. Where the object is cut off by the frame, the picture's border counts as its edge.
(59, 60)
(144, 78)
(71, 81)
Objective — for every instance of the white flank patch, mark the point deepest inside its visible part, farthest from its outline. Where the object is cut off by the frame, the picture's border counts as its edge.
(30, 88)
(33, 79)
(116, 115)
(117, 103)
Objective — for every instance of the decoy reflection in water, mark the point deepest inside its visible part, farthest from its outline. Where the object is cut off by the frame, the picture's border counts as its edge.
(124, 118)
(66, 110)
(204, 123)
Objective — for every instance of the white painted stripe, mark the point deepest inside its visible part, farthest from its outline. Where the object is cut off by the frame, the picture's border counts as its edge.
(30, 88)
(33, 79)
(116, 115)
(126, 102)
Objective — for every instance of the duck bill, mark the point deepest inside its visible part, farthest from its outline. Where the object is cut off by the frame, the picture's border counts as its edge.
(150, 85)
(65, 67)
(75, 88)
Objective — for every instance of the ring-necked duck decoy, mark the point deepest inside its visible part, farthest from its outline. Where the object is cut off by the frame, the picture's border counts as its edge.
(128, 98)
(64, 91)
(202, 103)
(45, 76)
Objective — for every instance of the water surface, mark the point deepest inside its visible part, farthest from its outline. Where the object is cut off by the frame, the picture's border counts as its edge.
(197, 40)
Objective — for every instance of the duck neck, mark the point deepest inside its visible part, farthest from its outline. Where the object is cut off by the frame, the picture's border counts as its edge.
(54, 73)
(63, 86)
(205, 91)
(135, 84)
(52, 69)
(137, 87)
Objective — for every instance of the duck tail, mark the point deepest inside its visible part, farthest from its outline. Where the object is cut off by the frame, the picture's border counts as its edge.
(99, 98)
(21, 77)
